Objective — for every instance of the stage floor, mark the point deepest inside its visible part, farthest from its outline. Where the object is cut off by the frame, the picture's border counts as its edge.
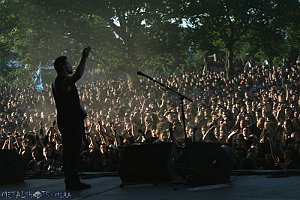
(105, 186)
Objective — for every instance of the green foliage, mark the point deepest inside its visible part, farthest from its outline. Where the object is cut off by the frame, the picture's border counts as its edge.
(198, 60)
(231, 24)
(12, 39)
(147, 35)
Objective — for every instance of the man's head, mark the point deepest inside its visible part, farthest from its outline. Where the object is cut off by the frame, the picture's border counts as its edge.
(62, 66)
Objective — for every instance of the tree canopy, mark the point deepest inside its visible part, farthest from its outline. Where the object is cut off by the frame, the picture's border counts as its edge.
(150, 35)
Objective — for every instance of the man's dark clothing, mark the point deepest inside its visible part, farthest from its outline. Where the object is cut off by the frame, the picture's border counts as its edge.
(70, 122)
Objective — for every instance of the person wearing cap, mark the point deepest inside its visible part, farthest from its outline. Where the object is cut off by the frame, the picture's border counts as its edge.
(70, 116)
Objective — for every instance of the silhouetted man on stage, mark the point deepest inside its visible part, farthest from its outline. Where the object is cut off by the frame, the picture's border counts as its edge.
(70, 116)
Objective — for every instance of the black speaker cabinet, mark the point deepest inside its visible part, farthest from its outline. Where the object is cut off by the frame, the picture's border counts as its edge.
(12, 167)
(204, 163)
(147, 163)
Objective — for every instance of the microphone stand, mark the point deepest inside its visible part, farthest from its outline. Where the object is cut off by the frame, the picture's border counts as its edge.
(182, 97)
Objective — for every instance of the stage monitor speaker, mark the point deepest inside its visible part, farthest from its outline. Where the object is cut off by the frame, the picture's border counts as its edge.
(12, 167)
(204, 163)
(147, 163)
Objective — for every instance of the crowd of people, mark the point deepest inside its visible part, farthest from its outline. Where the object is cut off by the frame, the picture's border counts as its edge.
(256, 114)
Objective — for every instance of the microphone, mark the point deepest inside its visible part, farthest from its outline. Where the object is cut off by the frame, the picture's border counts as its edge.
(141, 73)
(145, 75)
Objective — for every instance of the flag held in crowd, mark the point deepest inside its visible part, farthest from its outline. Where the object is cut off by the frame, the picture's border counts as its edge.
(38, 79)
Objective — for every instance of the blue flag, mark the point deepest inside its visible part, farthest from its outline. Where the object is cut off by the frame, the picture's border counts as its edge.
(38, 80)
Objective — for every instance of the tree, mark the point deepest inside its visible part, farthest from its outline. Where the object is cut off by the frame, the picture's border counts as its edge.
(228, 22)
(150, 35)
(126, 36)
(146, 37)
(11, 40)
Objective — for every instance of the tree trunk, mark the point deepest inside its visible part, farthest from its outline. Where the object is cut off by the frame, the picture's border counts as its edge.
(130, 68)
(229, 62)
(132, 78)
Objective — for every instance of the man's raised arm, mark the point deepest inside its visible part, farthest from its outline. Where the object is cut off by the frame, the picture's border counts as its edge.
(80, 68)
